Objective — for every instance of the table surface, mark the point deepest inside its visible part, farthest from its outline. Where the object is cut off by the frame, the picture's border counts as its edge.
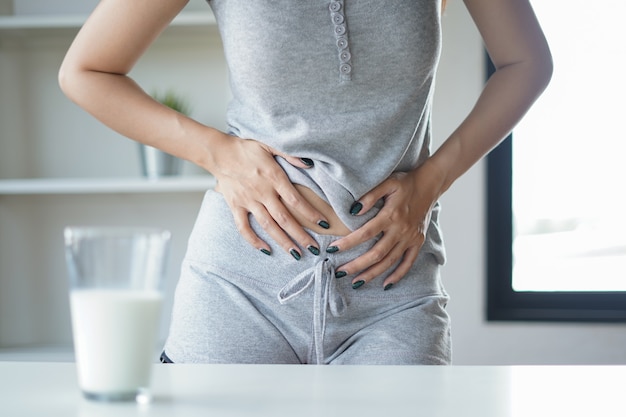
(50, 389)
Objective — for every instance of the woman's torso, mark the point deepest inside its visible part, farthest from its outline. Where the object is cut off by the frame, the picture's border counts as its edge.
(348, 84)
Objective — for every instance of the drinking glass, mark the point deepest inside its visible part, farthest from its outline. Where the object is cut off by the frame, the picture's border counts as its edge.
(116, 277)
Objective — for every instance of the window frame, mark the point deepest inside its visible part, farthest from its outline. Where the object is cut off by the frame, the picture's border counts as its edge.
(503, 302)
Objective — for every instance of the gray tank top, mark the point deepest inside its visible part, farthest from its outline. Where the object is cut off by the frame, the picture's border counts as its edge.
(348, 84)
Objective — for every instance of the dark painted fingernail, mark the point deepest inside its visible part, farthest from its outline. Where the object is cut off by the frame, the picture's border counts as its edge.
(356, 207)
(265, 251)
(358, 284)
(295, 254)
(323, 224)
(332, 249)
(387, 287)
(340, 274)
(315, 251)
(307, 161)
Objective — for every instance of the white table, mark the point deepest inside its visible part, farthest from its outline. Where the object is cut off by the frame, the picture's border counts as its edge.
(50, 390)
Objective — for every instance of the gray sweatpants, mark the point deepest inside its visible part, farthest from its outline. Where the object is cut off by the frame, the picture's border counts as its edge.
(234, 304)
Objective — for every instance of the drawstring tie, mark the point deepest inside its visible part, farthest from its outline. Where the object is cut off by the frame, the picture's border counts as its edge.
(326, 298)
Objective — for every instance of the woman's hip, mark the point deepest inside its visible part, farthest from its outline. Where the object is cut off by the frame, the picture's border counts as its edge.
(216, 244)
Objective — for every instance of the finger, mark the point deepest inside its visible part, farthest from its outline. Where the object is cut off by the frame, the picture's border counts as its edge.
(403, 268)
(368, 231)
(304, 163)
(242, 222)
(396, 259)
(362, 265)
(379, 268)
(289, 226)
(300, 162)
(267, 222)
(292, 198)
(368, 200)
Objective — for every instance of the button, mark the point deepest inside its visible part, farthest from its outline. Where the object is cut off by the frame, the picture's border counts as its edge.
(345, 69)
(340, 30)
(337, 18)
(342, 43)
(344, 56)
(335, 6)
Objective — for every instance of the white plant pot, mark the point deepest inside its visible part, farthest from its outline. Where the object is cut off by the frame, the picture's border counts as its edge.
(156, 163)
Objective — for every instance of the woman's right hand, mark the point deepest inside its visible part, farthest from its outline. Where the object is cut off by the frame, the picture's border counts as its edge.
(253, 183)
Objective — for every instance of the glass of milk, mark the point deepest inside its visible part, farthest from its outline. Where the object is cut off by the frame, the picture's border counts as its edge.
(116, 277)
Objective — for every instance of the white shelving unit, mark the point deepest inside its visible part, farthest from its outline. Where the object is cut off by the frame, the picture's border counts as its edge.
(86, 186)
(25, 23)
(59, 166)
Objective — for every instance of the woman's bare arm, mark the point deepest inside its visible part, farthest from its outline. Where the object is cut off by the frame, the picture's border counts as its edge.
(523, 63)
(94, 74)
(520, 53)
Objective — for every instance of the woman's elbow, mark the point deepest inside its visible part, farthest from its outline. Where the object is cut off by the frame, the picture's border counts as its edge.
(68, 79)
(65, 79)
(544, 68)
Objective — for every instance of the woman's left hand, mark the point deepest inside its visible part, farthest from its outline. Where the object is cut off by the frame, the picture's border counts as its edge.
(402, 224)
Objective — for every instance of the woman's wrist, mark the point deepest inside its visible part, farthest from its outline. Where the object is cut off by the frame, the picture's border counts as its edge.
(202, 145)
(430, 179)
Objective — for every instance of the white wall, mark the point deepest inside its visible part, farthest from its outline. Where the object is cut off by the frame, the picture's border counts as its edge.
(476, 341)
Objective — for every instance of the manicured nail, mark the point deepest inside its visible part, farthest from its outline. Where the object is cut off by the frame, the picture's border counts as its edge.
(307, 161)
(323, 224)
(388, 286)
(332, 249)
(357, 284)
(265, 251)
(315, 251)
(356, 207)
(295, 254)
(340, 274)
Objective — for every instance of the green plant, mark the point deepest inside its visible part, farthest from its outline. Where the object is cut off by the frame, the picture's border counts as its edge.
(173, 101)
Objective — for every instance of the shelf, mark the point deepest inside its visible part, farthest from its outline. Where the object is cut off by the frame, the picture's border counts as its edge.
(38, 354)
(52, 186)
(26, 23)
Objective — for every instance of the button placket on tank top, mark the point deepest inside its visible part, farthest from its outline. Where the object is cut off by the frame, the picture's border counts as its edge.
(338, 18)
(325, 298)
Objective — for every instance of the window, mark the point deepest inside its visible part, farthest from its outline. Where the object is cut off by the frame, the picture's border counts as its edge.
(556, 202)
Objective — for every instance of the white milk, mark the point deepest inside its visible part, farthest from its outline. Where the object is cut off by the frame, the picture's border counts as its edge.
(115, 334)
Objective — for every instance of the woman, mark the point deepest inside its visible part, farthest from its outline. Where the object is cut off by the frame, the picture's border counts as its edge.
(321, 242)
